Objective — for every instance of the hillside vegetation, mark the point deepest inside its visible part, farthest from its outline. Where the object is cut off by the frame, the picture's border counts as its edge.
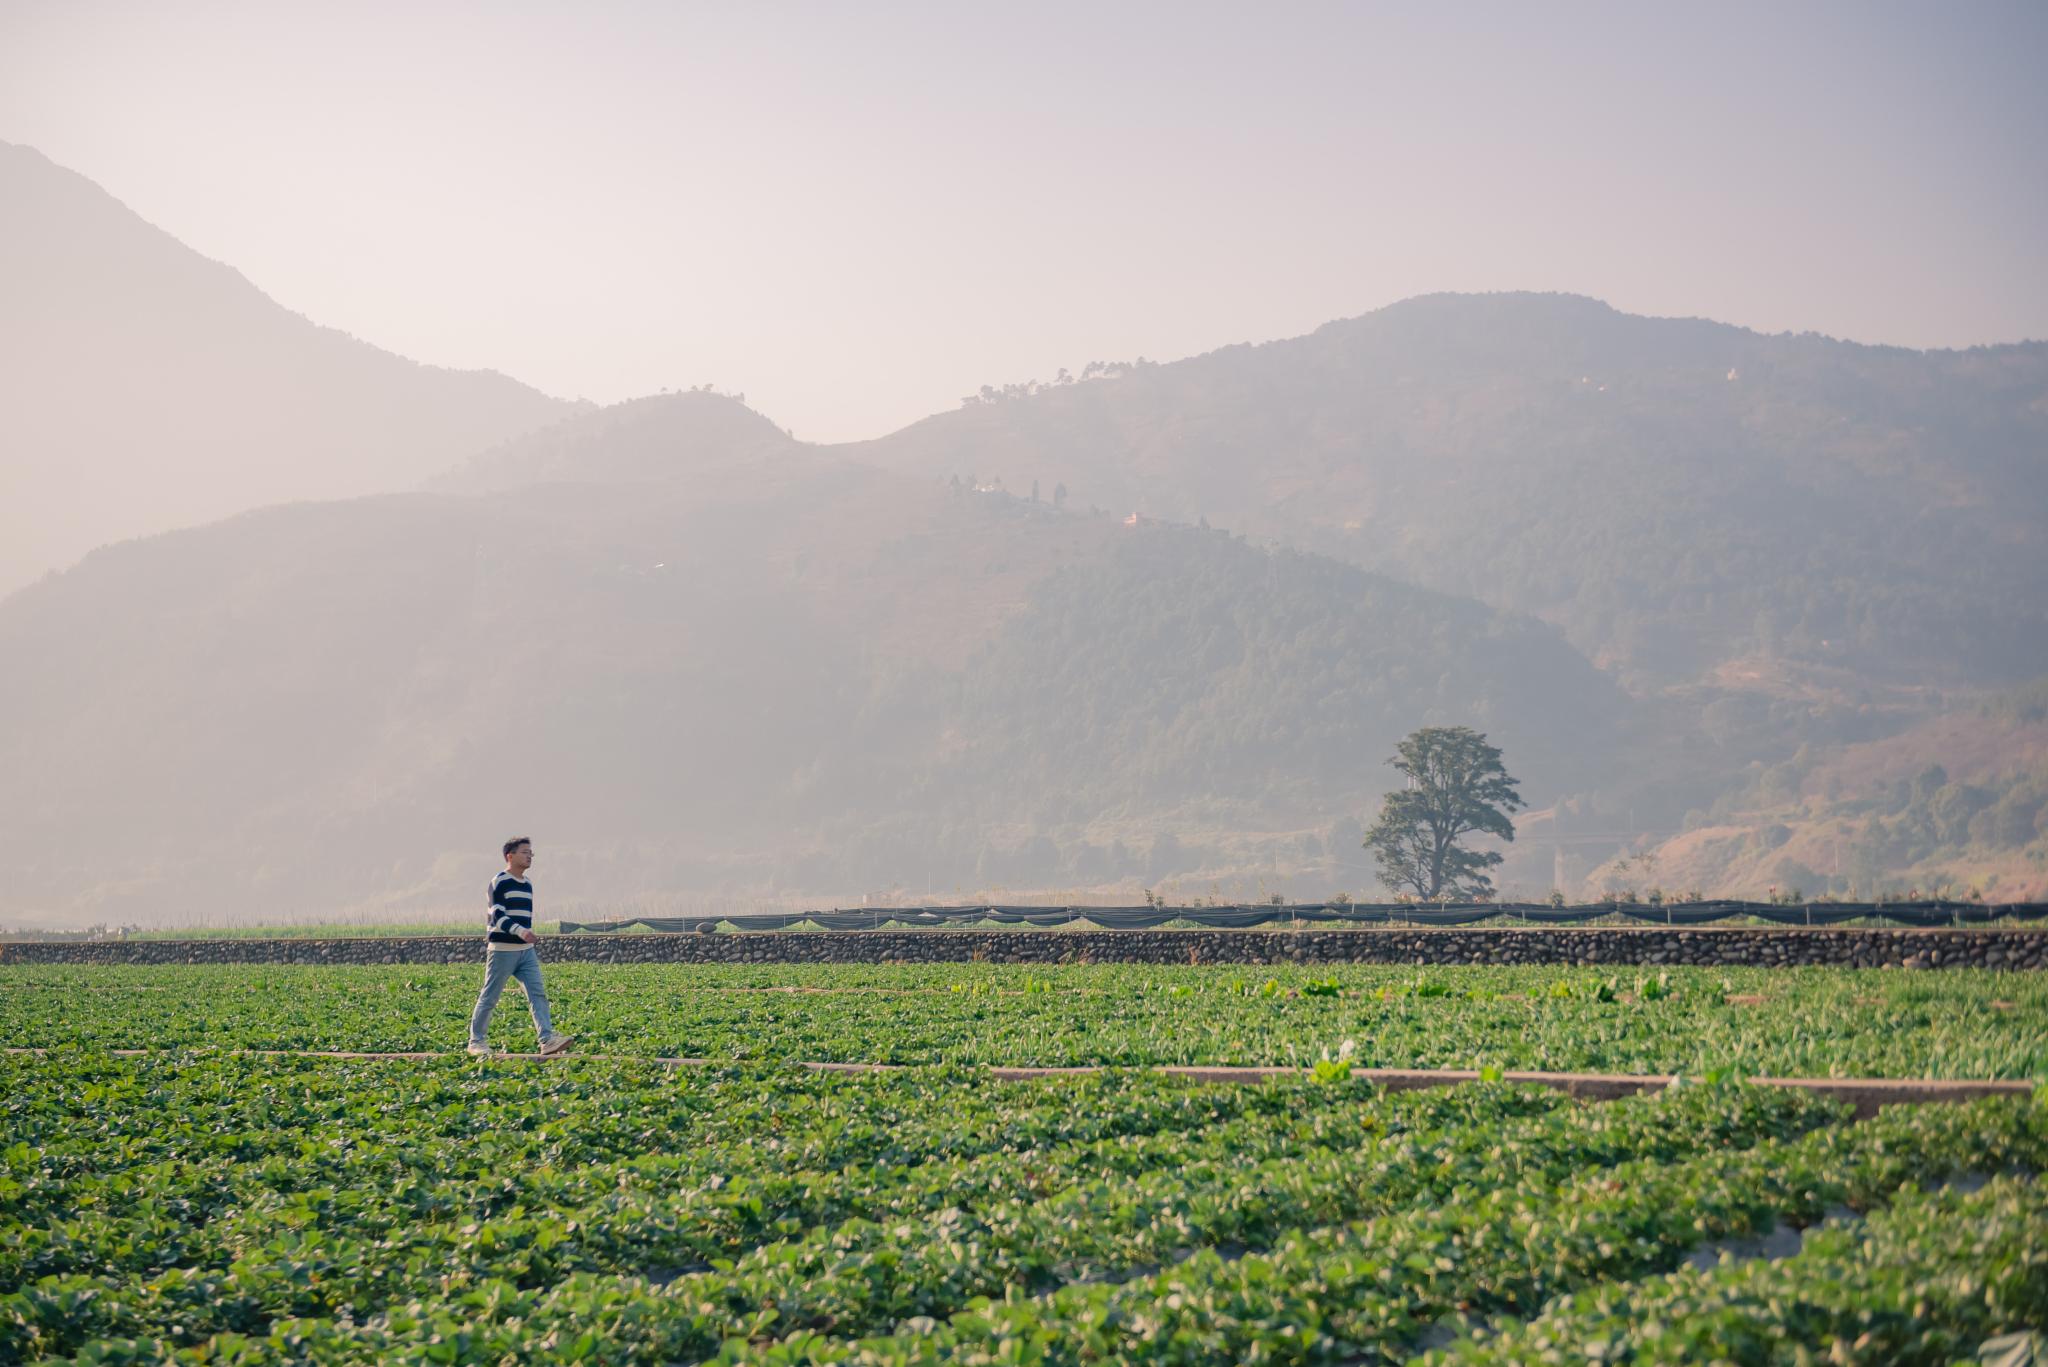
(1957, 803)
(1675, 493)
(794, 674)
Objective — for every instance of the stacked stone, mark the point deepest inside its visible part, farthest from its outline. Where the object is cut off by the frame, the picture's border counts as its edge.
(1750, 947)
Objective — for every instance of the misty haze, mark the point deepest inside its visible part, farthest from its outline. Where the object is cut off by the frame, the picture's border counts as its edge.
(1746, 612)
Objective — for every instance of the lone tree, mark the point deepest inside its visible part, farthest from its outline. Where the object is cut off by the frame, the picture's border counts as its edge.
(1456, 787)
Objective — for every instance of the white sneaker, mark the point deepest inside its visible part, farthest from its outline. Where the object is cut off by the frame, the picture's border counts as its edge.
(480, 1050)
(555, 1044)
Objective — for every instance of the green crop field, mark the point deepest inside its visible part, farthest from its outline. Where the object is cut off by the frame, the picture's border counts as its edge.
(201, 1202)
(1773, 1022)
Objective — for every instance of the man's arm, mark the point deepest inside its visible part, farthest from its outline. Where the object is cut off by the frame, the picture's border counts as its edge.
(501, 914)
(501, 921)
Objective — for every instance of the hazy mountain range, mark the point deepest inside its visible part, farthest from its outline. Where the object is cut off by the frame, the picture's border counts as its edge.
(1673, 492)
(800, 674)
(699, 660)
(144, 387)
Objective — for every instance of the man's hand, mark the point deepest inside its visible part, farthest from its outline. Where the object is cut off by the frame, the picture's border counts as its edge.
(529, 937)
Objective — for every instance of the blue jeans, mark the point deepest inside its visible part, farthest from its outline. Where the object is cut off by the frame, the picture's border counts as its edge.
(522, 964)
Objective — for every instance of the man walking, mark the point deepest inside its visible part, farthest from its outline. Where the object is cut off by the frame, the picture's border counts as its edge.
(511, 954)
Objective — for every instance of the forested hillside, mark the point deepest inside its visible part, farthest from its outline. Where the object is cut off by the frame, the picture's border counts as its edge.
(777, 676)
(1675, 493)
(1958, 803)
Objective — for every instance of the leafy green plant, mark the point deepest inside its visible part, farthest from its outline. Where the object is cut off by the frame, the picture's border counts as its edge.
(1331, 1069)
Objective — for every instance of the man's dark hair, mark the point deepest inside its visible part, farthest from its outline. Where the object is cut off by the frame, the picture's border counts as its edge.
(514, 843)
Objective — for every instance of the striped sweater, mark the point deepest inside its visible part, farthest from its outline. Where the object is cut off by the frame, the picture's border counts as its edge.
(511, 910)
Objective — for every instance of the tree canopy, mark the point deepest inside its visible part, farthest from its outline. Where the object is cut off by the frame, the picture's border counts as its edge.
(1456, 787)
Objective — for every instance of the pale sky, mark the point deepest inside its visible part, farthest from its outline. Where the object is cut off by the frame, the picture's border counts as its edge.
(855, 214)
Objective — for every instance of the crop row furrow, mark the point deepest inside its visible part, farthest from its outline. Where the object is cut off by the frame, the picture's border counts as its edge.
(1923, 1282)
(289, 1139)
(862, 1277)
(856, 1281)
(687, 1207)
(1364, 1293)
(649, 1227)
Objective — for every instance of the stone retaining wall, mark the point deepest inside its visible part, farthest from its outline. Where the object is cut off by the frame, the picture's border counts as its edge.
(2011, 949)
